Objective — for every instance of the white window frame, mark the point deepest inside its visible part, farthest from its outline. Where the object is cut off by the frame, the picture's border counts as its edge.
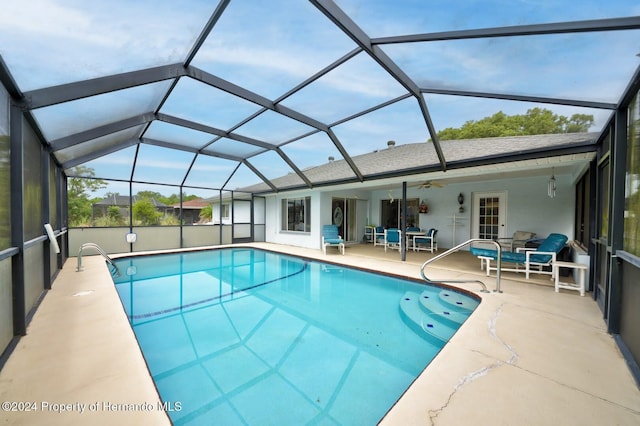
(302, 207)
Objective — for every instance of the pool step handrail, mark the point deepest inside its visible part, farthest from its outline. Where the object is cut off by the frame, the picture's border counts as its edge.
(99, 250)
(458, 247)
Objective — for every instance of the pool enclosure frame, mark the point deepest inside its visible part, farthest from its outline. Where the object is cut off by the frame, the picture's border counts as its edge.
(38, 181)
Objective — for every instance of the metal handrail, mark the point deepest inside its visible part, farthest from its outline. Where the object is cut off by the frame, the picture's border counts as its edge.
(458, 247)
(99, 250)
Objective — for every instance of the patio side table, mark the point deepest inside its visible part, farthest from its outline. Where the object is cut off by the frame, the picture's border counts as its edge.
(579, 284)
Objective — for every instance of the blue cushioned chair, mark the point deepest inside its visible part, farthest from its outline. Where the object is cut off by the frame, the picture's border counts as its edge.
(378, 236)
(544, 255)
(392, 238)
(428, 242)
(331, 237)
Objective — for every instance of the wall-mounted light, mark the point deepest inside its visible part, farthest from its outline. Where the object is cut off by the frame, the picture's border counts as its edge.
(461, 202)
(551, 186)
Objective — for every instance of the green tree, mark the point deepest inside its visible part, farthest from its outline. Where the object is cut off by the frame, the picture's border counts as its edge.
(145, 213)
(169, 201)
(113, 213)
(78, 191)
(206, 214)
(536, 121)
(579, 123)
(150, 195)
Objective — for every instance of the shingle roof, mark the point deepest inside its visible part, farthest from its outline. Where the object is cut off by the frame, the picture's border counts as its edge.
(192, 204)
(421, 157)
(123, 200)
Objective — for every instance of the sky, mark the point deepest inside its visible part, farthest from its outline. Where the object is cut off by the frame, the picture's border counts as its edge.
(271, 47)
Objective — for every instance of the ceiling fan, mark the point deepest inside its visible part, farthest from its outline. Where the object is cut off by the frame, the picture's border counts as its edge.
(430, 183)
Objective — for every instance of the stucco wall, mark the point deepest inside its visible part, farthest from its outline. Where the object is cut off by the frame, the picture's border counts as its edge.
(528, 209)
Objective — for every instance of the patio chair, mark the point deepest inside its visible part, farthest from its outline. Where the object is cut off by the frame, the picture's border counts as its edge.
(427, 243)
(519, 239)
(378, 236)
(331, 237)
(533, 260)
(392, 238)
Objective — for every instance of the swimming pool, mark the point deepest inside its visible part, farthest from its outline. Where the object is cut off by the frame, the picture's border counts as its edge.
(250, 337)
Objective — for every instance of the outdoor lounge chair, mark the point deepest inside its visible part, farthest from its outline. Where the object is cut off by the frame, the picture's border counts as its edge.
(428, 242)
(330, 237)
(392, 238)
(519, 239)
(544, 255)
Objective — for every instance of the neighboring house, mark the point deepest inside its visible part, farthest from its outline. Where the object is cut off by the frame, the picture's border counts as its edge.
(123, 202)
(221, 211)
(190, 210)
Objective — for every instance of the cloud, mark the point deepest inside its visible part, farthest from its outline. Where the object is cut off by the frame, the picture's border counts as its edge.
(44, 18)
(49, 42)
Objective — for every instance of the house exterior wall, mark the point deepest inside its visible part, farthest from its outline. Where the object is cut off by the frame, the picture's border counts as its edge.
(320, 215)
(528, 209)
(216, 214)
(274, 234)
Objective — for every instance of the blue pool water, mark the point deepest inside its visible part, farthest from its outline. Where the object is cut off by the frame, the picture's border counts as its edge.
(250, 337)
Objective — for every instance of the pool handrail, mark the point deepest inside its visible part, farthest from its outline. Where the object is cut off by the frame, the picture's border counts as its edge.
(458, 247)
(99, 250)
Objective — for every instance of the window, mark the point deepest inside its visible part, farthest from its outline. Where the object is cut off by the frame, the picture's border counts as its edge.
(391, 213)
(632, 186)
(296, 214)
(225, 211)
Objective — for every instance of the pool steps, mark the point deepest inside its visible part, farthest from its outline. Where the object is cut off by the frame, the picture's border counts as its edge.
(435, 316)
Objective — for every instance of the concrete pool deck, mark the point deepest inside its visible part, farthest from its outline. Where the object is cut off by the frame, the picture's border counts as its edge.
(527, 356)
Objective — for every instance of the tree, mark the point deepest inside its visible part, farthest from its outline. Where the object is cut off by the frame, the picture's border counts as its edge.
(579, 123)
(169, 201)
(144, 211)
(206, 214)
(535, 121)
(113, 213)
(150, 195)
(78, 191)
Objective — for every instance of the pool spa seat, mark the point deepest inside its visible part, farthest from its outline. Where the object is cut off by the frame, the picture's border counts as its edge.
(532, 259)
(332, 238)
